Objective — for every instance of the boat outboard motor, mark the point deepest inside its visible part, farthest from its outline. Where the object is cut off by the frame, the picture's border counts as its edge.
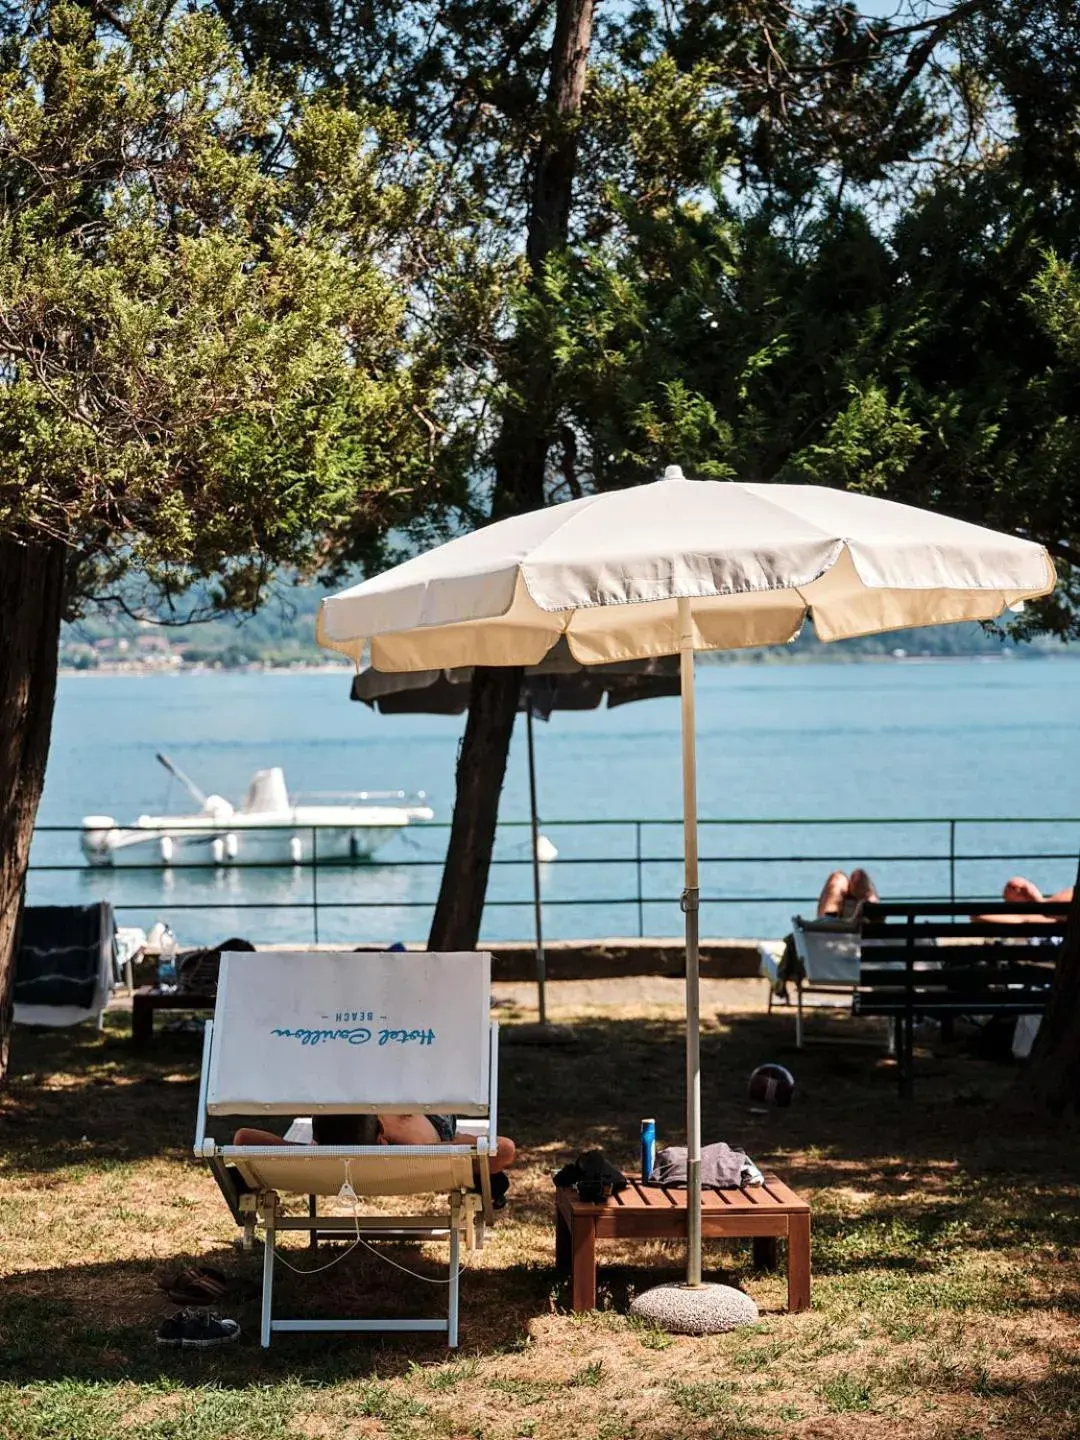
(98, 834)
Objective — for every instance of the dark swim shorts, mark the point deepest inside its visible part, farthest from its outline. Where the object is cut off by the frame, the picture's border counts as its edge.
(446, 1125)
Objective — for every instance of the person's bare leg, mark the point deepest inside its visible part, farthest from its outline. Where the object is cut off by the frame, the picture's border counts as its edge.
(862, 890)
(1017, 891)
(246, 1135)
(503, 1158)
(833, 894)
(418, 1130)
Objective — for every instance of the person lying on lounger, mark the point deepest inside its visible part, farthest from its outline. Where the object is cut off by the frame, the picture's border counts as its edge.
(843, 896)
(1019, 890)
(382, 1130)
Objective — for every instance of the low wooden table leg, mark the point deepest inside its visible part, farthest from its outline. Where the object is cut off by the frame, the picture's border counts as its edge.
(798, 1262)
(584, 1252)
(563, 1250)
(142, 1021)
(766, 1252)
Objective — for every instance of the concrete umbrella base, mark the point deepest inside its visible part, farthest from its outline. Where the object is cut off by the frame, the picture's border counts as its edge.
(701, 1310)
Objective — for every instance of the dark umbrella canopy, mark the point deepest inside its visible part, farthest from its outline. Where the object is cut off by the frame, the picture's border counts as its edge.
(559, 683)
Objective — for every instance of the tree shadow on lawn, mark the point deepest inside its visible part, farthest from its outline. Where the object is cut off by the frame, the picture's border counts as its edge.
(99, 1321)
(846, 1124)
(902, 1187)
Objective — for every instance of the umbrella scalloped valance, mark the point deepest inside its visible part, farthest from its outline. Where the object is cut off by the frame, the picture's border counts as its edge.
(606, 574)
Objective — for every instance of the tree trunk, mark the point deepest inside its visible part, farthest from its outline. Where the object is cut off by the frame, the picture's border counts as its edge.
(1052, 1079)
(31, 607)
(481, 768)
(520, 462)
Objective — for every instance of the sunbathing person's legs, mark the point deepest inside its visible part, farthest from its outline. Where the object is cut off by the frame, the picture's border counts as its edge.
(392, 1130)
(833, 894)
(247, 1135)
(862, 890)
(418, 1130)
(1020, 890)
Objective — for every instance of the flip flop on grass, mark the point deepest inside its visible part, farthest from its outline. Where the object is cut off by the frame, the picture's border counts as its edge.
(195, 1285)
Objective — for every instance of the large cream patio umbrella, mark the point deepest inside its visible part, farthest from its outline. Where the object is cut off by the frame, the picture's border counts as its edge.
(670, 568)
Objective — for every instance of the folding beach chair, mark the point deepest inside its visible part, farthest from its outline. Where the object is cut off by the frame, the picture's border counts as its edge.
(320, 1033)
(65, 963)
(828, 954)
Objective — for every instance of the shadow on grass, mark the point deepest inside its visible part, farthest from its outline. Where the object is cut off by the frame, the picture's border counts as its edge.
(899, 1188)
(52, 1326)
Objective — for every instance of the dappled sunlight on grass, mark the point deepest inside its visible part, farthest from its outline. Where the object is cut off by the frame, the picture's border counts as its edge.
(946, 1256)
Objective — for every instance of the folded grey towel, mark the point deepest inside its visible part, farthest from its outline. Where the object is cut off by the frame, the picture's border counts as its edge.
(721, 1167)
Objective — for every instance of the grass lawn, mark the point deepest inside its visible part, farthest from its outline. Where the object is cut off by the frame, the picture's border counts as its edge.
(946, 1254)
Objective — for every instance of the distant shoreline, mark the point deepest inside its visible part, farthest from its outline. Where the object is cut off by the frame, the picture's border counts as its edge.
(320, 668)
(331, 667)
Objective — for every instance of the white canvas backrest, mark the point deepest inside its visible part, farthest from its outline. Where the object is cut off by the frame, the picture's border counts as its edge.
(321, 1032)
(828, 950)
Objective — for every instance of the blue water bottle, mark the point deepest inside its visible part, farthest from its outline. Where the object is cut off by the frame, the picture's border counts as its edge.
(648, 1149)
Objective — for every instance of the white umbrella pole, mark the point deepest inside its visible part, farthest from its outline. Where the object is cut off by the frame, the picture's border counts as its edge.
(538, 908)
(690, 900)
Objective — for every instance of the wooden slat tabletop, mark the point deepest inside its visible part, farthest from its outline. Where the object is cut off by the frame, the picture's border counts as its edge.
(773, 1195)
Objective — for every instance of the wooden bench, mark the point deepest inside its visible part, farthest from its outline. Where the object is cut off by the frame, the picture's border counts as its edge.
(763, 1213)
(149, 998)
(904, 980)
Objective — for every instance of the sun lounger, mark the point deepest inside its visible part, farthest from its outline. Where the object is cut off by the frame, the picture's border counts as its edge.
(821, 963)
(324, 1033)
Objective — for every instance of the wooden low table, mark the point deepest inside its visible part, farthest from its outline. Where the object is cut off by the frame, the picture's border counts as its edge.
(149, 998)
(649, 1212)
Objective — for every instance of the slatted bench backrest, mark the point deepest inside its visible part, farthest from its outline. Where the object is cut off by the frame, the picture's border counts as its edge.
(962, 960)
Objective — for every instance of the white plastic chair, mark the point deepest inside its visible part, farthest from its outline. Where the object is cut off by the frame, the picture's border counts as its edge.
(325, 1033)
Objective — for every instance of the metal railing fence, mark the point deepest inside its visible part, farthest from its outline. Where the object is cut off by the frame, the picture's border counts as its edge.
(620, 866)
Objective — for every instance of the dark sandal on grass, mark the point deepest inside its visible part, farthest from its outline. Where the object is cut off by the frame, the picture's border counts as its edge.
(196, 1332)
(195, 1285)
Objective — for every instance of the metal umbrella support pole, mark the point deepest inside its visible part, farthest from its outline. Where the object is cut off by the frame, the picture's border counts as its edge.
(690, 904)
(538, 912)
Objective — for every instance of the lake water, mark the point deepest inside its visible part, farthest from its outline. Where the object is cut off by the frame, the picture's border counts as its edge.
(992, 743)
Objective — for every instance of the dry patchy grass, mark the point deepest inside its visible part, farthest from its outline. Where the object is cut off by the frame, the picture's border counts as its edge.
(946, 1256)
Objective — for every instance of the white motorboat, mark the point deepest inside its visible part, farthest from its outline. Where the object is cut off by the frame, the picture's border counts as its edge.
(268, 828)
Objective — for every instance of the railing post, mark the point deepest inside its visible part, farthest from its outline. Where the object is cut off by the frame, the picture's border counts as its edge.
(640, 904)
(952, 862)
(315, 883)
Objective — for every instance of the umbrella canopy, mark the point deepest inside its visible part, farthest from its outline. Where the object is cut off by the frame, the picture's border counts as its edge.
(558, 682)
(675, 567)
(606, 572)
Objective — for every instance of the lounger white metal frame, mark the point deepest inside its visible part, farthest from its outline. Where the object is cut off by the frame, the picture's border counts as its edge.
(829, 950)
(252, 1179)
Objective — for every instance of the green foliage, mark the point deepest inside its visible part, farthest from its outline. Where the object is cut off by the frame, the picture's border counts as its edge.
(804, 246)
(206, 354)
